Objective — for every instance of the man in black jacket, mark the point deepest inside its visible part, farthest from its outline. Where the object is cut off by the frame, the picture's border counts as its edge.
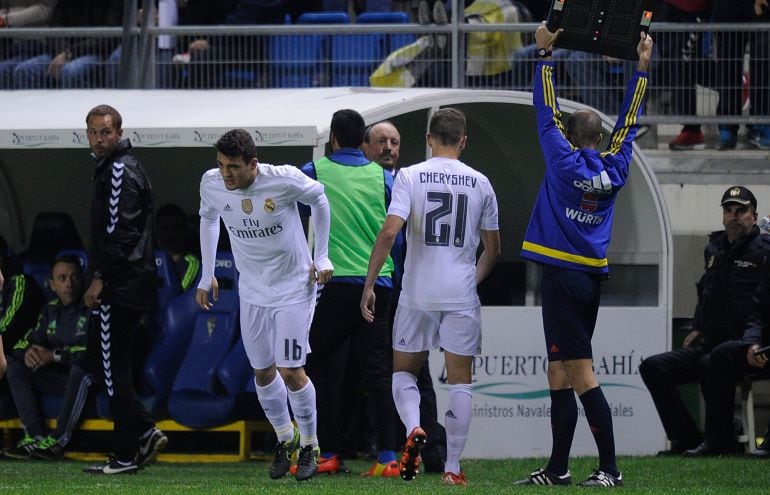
(732, 259)
(123, 285)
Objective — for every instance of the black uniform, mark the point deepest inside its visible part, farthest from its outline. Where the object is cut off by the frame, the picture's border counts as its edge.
(725, 293)
(122, 255)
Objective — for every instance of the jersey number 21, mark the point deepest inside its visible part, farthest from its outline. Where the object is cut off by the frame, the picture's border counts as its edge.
(437, 228)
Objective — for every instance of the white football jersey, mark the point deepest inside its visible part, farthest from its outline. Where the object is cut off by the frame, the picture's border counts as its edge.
(268, 242)
(445, 203)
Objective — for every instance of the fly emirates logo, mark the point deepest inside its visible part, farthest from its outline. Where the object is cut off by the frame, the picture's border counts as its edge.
(253, 230)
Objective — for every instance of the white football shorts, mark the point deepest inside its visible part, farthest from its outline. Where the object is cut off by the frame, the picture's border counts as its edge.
(277, 335)
(416, 330)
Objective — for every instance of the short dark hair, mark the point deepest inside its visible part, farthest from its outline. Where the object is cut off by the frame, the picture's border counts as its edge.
(348, 128)
(117, 120)
(70, 259)
(584, 128)
(447, 125)
(237, 142)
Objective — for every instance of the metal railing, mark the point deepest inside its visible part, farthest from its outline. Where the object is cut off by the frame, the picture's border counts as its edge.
(702, 73)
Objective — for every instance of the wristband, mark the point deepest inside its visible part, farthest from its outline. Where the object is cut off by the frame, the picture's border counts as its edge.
(544, 53)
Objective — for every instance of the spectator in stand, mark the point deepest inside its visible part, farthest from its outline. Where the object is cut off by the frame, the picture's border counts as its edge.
(21, 13)
(732, 261)
(730, 47)
(171, 236)
(222, 62)
(20, 299)
(681, 60)
(41, 362)
(75, 63)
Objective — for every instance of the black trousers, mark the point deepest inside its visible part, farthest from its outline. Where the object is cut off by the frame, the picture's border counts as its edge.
(728, 366)
(109, 360)
(26, 387)
(662, 373)
(338, 318)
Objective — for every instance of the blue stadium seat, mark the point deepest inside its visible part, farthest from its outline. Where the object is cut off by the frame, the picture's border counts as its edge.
(383, 17)
(177, 325)
(197, 398)
(80, 254)
(395, 40)
(169, 284)
(296, 61)
(324, 18)
(354, 57)
(237, 377)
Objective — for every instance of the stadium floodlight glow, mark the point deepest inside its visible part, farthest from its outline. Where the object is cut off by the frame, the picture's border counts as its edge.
(606, 27)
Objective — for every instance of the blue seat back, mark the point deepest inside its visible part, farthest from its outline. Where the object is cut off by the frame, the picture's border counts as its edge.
(383, 17)
(324, 18)
(41, 272)
(236, 373)
(169, 285)
(80, 254)
(354, 57)
(213, 335)
(296, 61)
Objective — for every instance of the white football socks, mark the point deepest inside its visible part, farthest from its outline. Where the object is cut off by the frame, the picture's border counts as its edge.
(272, 398)
(406, 396)
(457, 422)
(303, 405)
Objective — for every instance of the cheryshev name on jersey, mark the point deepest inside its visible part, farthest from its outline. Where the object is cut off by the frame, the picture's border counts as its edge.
(449, 179)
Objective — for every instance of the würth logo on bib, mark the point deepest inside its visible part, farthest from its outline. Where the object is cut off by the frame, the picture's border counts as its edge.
(246, 206)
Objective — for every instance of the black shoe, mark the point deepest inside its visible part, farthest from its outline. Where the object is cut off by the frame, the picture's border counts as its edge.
(149, 445)
(307, 462)
(113, 466)
(543, 477)
(48, 449)
(679, 447)
(602, 479)
(283, 452)
(710, 449)
(763, 451)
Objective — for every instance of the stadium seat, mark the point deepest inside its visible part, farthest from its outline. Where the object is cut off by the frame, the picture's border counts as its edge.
(197, 398)
(395, 40)
(51, 232)
(237, 377)
(296, 61)
(354, 57)
(169, 285)
(177, 323)
(80, 254)
(324, 18)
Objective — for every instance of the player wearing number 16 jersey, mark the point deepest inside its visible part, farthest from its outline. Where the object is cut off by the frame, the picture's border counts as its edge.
(277, 284)
(448, 208)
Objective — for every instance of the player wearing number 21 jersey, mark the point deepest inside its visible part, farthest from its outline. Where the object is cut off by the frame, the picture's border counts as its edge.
(448, 208)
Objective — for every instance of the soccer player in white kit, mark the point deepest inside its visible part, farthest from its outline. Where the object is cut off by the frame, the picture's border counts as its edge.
(448, 207)
(277, 282)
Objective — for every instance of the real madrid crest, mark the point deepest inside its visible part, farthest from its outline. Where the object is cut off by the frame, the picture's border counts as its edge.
(269, 205)
(246, 206)
(735, 191)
